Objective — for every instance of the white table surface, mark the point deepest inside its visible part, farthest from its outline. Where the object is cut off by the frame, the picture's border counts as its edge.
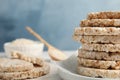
(54, 75)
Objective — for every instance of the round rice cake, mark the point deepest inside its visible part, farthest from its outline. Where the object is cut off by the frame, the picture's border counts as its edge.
(14, 65)
(37, 71)
(102, 47)
(100, 64)
(104, 15)
(98, 39)
(96, 31)
(100, 23)
(98, 73)
(35, 60)
(95, 55)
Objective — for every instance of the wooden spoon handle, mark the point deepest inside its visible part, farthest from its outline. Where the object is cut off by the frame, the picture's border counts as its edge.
(37, 36)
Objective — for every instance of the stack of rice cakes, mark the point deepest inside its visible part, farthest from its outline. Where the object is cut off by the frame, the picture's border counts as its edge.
(22, 67)
(99, 55)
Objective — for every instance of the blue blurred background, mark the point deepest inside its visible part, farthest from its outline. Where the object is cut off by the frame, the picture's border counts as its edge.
(55, 20)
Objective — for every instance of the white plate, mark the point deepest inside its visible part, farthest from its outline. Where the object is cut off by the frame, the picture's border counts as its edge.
(68, 70)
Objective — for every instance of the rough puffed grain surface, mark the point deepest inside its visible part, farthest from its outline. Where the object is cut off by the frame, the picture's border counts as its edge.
(95, 55)
(99, 73)
(97, 31)
(104, 15)
(34, 60)
(97, 39)
(34, 73)
(102, 47)
(100, 23)
(100, 64)
(14, 65)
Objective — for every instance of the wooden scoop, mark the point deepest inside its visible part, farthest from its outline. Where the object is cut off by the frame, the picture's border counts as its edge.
(53, 52)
